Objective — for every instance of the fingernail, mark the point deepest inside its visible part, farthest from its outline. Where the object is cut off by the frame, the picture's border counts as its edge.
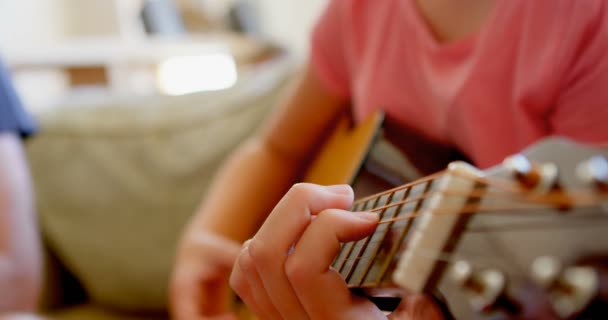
(340, 189)
(367, 216)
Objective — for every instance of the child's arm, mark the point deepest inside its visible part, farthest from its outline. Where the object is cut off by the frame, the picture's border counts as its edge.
(20, 258)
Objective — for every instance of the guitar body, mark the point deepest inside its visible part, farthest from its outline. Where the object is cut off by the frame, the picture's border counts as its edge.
(484, 244)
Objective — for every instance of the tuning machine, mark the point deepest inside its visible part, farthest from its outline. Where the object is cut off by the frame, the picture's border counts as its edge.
(485, 288)
(541, 177)
(594, 171)
(571, 289)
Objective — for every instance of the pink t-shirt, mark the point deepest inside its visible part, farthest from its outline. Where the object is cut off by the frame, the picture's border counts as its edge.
(536, 68)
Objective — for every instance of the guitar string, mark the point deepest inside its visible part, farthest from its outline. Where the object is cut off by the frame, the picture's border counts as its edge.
(552, 197)
(445, 257)
(440, 256)
(403, 187)
(473, 209)
(486, 181)
(541, 225)
(557, 198)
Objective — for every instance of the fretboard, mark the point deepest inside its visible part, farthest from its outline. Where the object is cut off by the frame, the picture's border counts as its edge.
(367, 263)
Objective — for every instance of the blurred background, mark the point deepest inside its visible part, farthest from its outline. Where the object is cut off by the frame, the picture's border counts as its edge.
(138, 102)
(61, 49)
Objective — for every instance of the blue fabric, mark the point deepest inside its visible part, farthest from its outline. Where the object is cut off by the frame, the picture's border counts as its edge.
(13, 117)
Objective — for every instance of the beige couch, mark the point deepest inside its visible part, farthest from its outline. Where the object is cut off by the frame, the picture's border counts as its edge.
(117, 181)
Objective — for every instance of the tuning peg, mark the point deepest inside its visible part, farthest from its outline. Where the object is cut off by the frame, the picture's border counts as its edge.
(484, 287)
(594, 171)
(540, 177)
(570, 289)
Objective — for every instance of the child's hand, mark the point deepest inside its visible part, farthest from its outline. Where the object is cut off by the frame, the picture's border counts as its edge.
(283, 272)
(199, 284)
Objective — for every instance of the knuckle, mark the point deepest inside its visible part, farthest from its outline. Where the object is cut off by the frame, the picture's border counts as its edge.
(296, 272)
(326, 214)
(245, 261)
(329, 217)
(301, 189)
(258, 252)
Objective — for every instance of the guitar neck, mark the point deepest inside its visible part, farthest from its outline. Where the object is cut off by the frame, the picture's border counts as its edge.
(519, 239)
(368, 263)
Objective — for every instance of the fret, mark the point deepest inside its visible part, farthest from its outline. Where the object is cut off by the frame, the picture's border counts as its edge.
(346, 247)
(366, 263)
(355, 248)
(418, 267)
(398, 231)
(373, 244)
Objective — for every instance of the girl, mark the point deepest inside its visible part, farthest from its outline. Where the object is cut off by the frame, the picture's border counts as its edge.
(485, 77)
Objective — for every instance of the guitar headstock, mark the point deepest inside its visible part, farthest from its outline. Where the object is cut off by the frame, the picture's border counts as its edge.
(525, 239)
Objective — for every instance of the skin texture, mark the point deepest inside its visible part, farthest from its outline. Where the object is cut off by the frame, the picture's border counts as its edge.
(20, 317)
(283, 272)
(20, 257)
(453, 20)
(271, 161)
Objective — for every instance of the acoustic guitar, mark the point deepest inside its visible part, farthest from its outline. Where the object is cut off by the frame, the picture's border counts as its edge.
(527, 239)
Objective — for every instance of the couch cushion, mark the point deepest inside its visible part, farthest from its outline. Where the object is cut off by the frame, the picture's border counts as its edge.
(117, 181)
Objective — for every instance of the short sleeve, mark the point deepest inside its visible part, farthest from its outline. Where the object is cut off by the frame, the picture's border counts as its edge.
(581, 111)
(13, 117)
(329, 57)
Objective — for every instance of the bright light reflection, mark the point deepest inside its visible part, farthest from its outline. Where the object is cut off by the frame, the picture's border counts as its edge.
(188, 74)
